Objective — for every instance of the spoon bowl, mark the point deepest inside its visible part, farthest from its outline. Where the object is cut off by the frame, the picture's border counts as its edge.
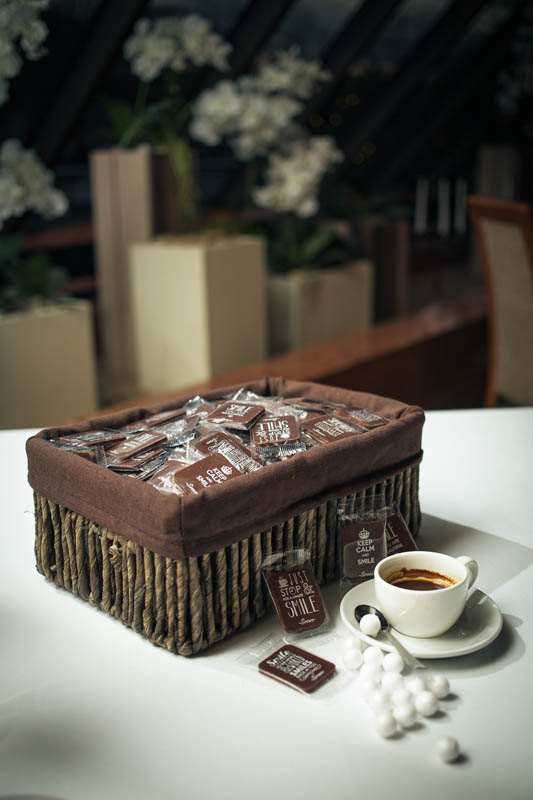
(362, 610)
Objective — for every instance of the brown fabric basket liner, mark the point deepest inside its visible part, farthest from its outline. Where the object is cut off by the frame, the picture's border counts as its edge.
(179, 527)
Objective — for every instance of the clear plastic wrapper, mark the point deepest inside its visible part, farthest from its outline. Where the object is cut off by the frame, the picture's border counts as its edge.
(154, 420)
(246, 396)
(104, 438)
(199, 406)
(180, 431)
(94, 453)
(309, 407)
(295, 593)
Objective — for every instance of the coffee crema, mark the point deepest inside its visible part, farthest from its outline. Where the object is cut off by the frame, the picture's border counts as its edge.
(420, 580)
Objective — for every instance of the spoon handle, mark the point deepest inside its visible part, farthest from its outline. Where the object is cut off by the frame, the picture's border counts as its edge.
(409, 659)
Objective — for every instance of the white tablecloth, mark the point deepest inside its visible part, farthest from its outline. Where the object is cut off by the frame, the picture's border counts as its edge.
(89, 709)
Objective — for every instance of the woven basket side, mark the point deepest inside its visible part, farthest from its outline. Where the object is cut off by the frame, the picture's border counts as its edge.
(189, 604)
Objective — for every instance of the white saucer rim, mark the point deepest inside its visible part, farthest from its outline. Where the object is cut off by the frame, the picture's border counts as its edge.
(421, 647)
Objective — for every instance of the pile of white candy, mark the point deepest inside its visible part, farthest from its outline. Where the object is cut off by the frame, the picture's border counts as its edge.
(396, 701)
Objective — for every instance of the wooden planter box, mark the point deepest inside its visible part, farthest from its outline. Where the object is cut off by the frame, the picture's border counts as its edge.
(133, 199)
(309, 306)
(47, 365)
(199, 308)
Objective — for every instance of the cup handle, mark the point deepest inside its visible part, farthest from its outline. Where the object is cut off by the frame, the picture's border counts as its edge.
(472, 568)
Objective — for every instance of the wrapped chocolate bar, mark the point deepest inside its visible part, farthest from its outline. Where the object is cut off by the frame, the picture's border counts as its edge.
(240, 416)
(218, 440)
(362, 542)
(134, 445)
(295, 594)
(362, 417)
(289, 665)
(399, 537)
(149, 468)
(330, 428)
(297, 668)
(185, 478)
(276, 437)
(164, 476)
(105, 439)
(135, 463)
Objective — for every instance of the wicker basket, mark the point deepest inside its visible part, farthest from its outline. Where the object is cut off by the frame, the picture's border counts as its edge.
(188, 604)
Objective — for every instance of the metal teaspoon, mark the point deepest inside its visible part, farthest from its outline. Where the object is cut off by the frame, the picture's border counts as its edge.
(409, 659)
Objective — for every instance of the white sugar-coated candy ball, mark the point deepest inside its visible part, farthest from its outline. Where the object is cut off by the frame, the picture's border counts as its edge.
(372, 673)
(370, 625)
(366, 687)
(352, 659)
(448, 748)
(393, 662)
(426, 703)
(386, 724)
(353, 643)
(391, 681)
(439, 685)
(415, 684)
(405, 715)
(378, 701)
(401, 696)
(374, 656)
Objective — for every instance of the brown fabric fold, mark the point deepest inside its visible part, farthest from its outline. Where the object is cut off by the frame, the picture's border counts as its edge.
(222, 515)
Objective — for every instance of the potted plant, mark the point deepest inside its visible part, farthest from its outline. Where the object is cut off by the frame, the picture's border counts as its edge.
(46, 340)
(147, 186)
(259, 116)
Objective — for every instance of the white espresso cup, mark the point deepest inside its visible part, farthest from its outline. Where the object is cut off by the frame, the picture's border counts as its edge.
(410, 604)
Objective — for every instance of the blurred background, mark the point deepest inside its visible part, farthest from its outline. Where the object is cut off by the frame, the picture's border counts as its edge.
(196, 193)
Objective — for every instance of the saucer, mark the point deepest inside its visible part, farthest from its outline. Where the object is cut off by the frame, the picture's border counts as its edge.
(478, 626)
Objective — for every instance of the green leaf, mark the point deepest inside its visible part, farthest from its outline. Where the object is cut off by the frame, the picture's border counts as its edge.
(316, 244)
(10, 248)
(121, 115)
(183, 165)
(30, 277)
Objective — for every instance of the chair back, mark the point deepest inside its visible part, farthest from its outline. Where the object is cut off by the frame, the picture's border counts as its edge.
(504, 236)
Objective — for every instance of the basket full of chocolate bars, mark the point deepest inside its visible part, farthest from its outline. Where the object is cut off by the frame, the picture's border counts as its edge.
(163, 516)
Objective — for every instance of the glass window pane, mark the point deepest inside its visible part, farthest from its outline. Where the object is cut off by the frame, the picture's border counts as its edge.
(404, 29)
(222, 13)
(313, 25)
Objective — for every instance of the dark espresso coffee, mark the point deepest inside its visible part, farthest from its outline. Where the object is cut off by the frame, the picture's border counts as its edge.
(419, 580)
